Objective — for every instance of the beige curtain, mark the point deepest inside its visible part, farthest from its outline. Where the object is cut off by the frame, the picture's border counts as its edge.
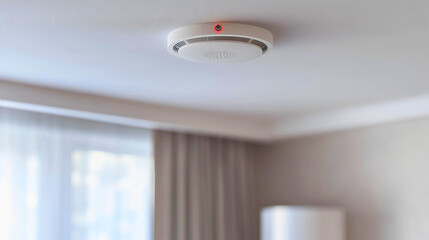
(202, 188)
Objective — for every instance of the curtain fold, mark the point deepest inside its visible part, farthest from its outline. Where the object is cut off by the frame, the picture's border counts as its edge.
(203, 188)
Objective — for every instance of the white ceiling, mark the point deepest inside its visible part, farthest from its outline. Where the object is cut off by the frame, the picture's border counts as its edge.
(327, 55)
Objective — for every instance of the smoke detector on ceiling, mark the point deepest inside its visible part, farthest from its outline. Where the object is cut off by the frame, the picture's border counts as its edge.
(220, 42)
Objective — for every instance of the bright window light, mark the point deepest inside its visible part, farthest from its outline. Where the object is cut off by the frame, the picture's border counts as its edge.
(66, 179)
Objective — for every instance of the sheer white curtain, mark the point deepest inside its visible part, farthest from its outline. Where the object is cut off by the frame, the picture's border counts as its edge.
(68, 179)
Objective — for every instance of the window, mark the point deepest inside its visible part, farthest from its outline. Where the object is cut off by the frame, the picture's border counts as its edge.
(110, 191)
(66, 179)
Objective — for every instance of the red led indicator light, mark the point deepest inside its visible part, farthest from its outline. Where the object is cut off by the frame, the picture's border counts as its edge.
(218, 28)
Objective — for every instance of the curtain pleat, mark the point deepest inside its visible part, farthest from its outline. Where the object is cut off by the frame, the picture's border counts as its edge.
(202, 188)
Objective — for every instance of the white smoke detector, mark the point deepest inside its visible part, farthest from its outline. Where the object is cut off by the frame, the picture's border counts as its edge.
(220, 42)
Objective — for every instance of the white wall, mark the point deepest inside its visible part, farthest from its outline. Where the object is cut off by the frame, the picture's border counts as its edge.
(379, 175)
